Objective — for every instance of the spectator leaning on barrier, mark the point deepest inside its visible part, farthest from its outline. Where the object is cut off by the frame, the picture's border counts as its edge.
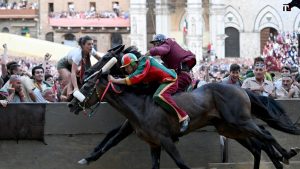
(14, 92)
(13, 68)
(259, 84)
(3, 102)
(287, 89)
(234, 76)
(49, 95)
(284, 70)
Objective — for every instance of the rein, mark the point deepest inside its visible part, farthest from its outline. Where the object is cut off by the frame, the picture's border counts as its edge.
(109, 84)
(93, 108)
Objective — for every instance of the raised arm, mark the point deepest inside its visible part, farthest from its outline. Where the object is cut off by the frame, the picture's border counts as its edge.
(4, 61)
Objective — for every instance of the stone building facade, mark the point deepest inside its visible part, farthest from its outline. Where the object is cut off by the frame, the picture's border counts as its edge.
(66, 30)
(18, 21)
(235, 28)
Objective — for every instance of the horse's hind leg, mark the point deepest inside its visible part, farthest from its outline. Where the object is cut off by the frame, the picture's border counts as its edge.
(255, 146)
(264, 137)
(155, 154)
(112, 138)
(171, 149)
(289, 155)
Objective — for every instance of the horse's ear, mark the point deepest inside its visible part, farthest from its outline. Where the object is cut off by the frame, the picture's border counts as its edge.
(119, 50)
(115, 48)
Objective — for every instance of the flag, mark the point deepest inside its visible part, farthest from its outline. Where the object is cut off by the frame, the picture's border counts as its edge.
(185, 26)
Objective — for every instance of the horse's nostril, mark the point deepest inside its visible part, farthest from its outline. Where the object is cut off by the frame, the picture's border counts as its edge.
(70, 105)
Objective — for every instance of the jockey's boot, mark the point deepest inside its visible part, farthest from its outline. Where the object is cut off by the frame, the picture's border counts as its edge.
(184, 125)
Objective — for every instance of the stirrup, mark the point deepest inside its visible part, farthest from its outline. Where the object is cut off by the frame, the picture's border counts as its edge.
(185, 125)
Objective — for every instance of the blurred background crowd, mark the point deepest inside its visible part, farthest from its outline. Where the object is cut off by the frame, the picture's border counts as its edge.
(279, 56)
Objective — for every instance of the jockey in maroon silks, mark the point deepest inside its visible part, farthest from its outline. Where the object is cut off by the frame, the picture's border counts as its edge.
(148, 70)
(174, 57)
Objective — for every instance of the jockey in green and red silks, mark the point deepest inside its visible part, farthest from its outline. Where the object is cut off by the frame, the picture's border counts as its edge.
(148, 70)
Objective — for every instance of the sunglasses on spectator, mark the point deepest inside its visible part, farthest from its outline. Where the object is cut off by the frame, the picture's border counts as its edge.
(259, 69)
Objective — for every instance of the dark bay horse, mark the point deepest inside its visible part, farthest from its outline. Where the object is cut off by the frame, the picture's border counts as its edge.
(294, 3)
(225, 107)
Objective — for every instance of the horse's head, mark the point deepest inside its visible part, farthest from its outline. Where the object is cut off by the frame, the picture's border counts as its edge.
(294, 3)
(92, 88)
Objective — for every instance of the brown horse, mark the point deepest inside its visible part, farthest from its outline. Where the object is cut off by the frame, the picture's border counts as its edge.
(226, 107)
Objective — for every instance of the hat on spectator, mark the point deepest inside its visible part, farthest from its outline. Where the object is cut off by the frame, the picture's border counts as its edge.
(294, 69)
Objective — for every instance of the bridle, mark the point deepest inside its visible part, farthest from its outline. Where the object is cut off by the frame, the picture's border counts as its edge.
(101, 97)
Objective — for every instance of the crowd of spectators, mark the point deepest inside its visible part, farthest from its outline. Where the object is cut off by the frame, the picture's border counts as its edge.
(279, 65)
(29, 80)
(91, 13)
(23, 4)
(40, 82)
(280, 50)
(88, 14)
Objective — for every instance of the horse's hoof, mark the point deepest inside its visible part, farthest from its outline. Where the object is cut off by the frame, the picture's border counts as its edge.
(83, 161)
(285, 161)
(295, 149)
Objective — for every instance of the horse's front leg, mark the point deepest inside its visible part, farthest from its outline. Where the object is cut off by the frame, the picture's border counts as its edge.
(112, 138)
(155, 154)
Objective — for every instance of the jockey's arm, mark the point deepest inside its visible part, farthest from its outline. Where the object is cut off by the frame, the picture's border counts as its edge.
(4, 61)
(160, 50)
(117, 81)
(73, 76)
(137, 76)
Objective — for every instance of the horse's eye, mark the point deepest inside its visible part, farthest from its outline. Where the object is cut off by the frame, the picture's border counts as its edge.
(85, 87)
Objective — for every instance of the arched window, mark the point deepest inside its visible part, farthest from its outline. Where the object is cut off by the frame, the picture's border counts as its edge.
(70, 40)
(5, 29)
(70, 36)
(50, 36)
(116, 39)
(265, 35)
(232, 42)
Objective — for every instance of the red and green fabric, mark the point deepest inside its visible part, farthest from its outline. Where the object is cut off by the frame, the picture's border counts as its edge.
(149, 70)
(163, 96)
(127, 59)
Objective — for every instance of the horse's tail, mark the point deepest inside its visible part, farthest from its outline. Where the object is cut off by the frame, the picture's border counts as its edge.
(268, 110)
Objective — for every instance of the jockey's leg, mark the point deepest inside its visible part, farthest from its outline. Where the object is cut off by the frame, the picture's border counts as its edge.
(163, 96)
(184, 81)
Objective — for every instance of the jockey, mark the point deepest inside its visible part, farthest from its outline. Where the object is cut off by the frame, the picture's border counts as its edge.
(147, 70)
(174, 57)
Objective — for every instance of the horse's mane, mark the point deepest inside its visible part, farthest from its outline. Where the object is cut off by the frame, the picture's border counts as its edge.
(115, 52)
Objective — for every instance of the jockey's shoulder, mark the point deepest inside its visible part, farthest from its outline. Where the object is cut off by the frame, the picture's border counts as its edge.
(144, 58)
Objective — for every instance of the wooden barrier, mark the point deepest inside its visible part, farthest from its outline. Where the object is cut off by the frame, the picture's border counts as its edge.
(71, 137)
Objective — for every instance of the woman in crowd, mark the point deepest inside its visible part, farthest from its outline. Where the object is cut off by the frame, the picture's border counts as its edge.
(75, 63)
